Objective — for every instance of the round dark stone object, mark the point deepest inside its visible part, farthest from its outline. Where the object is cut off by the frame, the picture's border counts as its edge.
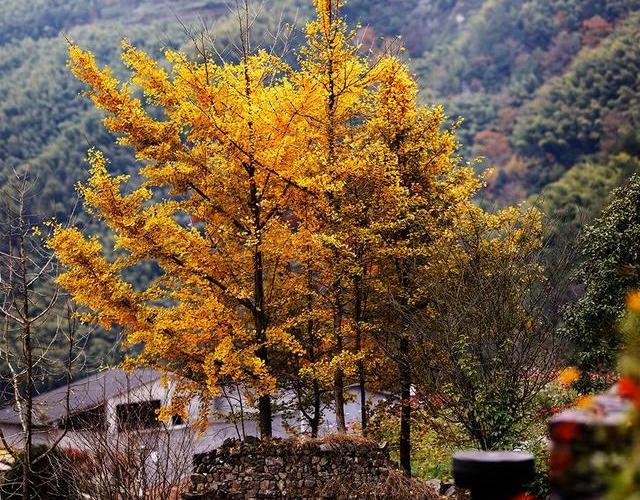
(496, 475)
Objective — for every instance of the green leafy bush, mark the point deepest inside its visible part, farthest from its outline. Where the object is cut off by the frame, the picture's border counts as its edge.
(610, 259)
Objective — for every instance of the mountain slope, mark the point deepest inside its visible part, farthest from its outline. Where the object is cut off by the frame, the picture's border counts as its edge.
(494, 62)
(549, 89)
(500, 70)
(46, 126)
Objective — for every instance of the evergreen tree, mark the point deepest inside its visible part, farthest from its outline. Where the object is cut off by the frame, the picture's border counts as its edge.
(610, 253)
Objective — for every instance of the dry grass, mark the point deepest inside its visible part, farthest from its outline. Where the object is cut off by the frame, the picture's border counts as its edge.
(344, 438)
(395, 486)
(346, 442)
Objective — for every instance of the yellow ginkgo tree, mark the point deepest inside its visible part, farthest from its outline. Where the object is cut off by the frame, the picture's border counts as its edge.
(428, 190)
(291, 210)
(239, 149)
(212, 212)
(341, 81)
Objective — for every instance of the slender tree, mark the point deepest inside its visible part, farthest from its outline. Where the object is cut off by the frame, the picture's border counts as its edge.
(39, 326)
(429, 188)
(340, 80)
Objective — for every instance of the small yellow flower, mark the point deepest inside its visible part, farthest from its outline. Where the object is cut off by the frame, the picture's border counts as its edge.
(568, 376)
(584, 402)
(633, 301)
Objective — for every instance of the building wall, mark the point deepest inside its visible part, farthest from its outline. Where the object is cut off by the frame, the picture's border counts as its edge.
(174, 445)
(14, 437)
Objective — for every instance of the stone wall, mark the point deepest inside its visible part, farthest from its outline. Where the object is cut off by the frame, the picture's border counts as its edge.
(335, 467)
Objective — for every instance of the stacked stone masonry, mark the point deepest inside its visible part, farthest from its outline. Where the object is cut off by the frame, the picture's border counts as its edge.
(292, 469)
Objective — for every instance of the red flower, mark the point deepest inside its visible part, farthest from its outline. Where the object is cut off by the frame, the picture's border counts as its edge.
(629, 389)
(564, 432)
(524, 496)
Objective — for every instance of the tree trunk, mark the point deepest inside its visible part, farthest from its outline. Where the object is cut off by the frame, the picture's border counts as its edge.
(363, 398)
(338, 394)
(26, 463)
(27, 349)
(264, 409)
(338, 378)
(315, 421)
(361, 375)
(405, 402)
(264, 402)
(28, 433)
(259, 314)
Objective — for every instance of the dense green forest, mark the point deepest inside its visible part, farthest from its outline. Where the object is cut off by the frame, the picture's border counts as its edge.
(549, 89)
(542, 85)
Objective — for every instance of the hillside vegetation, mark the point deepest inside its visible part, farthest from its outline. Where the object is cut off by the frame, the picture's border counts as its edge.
(549, 89)
(46, 126)
(541, 84)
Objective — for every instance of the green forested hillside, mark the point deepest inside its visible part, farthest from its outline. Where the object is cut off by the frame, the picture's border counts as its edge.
(541, 84)
(46, 127)
(549, 89)
(589, 109)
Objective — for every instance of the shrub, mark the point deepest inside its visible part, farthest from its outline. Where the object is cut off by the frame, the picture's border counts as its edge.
(610, 258)
(433, 440)
(50, 478)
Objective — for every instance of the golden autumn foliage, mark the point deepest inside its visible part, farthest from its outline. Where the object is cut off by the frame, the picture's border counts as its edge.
(568, 376)
(278, 201)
